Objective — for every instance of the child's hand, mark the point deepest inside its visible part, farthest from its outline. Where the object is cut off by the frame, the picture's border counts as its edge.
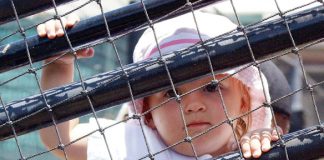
(53, 28)
(255, 142)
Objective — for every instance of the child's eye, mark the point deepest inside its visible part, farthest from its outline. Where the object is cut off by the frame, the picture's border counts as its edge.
(211, 87)
(170, 93)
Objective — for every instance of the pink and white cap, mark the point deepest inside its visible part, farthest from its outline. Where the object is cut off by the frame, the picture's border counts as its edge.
(179, 33)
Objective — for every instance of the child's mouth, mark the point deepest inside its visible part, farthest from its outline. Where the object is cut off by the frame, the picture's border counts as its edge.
(198, 125)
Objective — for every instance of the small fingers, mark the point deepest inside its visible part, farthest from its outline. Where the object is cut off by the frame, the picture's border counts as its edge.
(58, 27)
(255, 142)
(85, 53)
(275, 135)
(255, 145)
(41, 30)
(50, 29)
(266, 141)
(53, 28)
(72, 20)
(245, 145)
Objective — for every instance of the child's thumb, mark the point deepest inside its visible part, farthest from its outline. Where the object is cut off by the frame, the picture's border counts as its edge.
(85, 53)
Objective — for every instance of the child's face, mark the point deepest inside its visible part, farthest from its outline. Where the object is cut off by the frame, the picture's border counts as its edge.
(202, 110)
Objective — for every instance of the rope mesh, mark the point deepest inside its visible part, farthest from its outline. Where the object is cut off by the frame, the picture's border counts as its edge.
(162, 60)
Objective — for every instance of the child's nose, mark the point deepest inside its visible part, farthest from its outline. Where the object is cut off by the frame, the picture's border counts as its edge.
(192, 103)
(194, 107)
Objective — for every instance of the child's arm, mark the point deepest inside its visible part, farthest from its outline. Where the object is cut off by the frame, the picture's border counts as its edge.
(255, 142)
(56, 74)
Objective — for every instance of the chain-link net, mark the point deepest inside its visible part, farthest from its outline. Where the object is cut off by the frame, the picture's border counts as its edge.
(285, 33)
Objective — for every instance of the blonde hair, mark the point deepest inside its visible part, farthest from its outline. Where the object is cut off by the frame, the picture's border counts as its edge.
(242, 123)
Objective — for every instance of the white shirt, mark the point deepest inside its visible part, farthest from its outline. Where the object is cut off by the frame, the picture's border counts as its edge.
(126, 142)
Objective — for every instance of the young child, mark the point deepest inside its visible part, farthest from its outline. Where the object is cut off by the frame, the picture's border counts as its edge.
(202, 108)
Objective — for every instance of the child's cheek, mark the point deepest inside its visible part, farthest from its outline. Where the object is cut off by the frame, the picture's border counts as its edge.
(211, 99)
(169, 110)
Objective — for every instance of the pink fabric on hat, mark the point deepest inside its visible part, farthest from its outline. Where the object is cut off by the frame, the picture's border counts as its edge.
(250, 77)
(179, 33)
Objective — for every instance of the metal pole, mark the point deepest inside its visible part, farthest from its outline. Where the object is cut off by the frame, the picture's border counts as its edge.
(25, 8)
(92, 31)
(109, 89)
